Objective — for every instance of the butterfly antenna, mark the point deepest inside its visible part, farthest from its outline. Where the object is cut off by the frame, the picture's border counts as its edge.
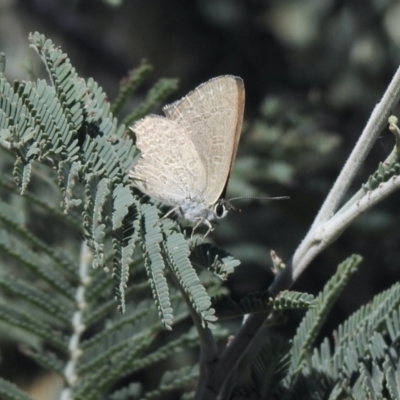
(229, 206)
(259, 198)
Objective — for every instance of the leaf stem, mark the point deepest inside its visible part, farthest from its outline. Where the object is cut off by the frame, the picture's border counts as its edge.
(77, 324)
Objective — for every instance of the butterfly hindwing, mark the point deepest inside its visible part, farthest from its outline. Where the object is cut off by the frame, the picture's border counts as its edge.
(169, 168)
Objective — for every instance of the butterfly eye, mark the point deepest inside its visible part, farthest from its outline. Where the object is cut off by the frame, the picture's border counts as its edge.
(220, 210)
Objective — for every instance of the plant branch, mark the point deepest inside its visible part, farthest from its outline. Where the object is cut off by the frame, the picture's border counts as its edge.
(376, 123)
(312, 245)
(208, 348)
(327, 233)
(77, 324)
(218, 371)
(394, 155)
(325, 229)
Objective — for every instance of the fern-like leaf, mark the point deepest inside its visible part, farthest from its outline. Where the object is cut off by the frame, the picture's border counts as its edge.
(129, 84)
(154, 263)
(156, 95)
(173, 380)
(125, 234)
(178, 251)
(314, 318)
(392, 377)
(216, 260)
(261, 302)
(97, 192)
(8, 391)
(131, 392)
(270, 367)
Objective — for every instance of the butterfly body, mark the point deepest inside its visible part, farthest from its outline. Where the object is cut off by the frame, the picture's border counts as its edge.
(194, 209)
(187, 156)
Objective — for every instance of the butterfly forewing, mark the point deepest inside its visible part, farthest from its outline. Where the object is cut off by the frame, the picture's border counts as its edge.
(212, 116)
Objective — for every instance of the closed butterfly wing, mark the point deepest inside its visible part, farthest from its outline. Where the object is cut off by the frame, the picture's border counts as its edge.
(169, 168)
(212, 115)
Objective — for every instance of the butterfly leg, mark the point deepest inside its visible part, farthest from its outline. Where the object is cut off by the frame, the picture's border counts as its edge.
(168, 214)
(205, 222)
(210, 227)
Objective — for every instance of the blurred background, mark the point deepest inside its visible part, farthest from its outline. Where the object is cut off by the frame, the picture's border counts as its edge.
(313, 71)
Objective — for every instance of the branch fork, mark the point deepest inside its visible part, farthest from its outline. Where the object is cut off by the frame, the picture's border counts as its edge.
(328, 225)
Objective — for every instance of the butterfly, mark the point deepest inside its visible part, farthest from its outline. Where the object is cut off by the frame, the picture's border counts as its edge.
(187, 156)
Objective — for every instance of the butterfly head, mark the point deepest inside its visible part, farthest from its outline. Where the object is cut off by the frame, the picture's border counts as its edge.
(196, 210)
(221, 208)
(204, 213)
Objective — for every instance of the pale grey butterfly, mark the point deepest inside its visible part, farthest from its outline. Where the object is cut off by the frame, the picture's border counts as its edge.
(187, 156)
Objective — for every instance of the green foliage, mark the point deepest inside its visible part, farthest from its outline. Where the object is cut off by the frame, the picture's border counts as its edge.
(70, 123)
(130, 84)
(215, 260)
(52, 297)
(270, 367)
(178, 253)
(161, 90)
(383, 174)
(363, 362)
(314, 319)
(56, 295)
(262, 302)
(277, 144)
(8, 391)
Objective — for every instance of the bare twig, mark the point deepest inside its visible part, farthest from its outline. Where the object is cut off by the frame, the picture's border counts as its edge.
(315, 241)
(327, 226)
